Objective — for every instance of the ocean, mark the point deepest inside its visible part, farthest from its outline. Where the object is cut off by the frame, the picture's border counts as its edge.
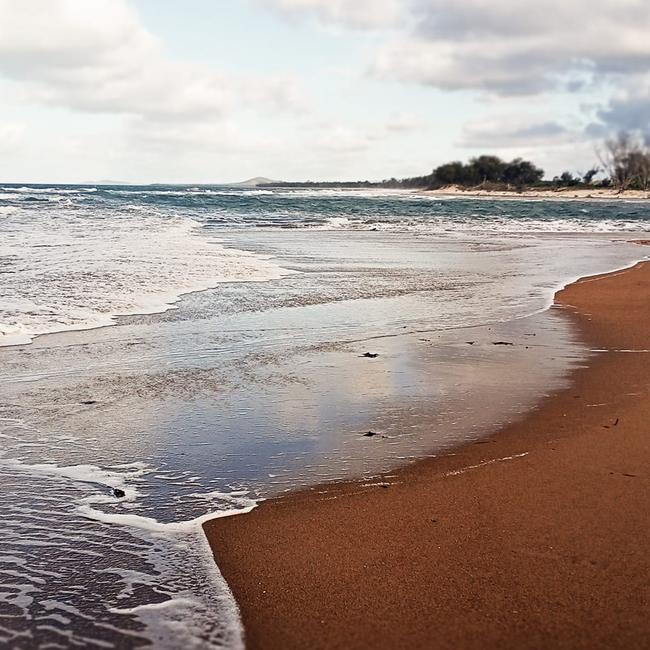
(170, 354)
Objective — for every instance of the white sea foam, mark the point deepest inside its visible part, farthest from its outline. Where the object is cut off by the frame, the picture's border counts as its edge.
(463, 225)
(48, 190)
(70, 271)
(189, 603)
(153, 525)
(109, 478)
(484, 463)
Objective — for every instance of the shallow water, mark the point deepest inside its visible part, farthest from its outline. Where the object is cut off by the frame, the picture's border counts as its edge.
(254, 386)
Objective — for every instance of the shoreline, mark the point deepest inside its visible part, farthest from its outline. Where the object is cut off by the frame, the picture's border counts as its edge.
(558, 194)
(483, 546)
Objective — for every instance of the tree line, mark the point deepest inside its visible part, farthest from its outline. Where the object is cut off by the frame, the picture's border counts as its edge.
(624, 160)
(482, 170)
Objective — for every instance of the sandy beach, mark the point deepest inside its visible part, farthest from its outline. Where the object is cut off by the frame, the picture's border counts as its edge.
(560, 193)
(317, 343)
(535, 537)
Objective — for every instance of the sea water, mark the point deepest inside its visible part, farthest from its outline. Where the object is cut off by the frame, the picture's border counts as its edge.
(172, 354)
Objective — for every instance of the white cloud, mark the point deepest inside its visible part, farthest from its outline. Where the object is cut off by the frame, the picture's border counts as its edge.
(512, 131)
(340, 138)
(509, 47)
(96, 56)
(352, 13)
(404, 122)
(194, 138)
(11, 136)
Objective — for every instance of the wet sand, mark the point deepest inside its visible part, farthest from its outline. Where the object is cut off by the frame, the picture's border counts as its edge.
(534, 538)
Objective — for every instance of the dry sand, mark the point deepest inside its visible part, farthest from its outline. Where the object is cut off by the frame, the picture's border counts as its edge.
(536, 538)
(561, 193)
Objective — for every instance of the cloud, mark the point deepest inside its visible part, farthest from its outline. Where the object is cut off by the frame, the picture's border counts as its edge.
(338, 137)
(341, 138)
(500, 46)
(221, 137)
(629, 111)
(360, 14)
(95, 56)
(404, 122)
(512, 132)
(11, 136)
(508, 50)
(513, 48)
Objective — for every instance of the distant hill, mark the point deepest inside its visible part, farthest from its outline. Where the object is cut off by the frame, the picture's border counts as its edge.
(253, 182)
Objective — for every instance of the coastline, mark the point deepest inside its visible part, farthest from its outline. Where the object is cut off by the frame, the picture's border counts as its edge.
(530, 538)
(559, 194)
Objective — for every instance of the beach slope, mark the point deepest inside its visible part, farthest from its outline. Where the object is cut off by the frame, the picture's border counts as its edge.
(536, 538)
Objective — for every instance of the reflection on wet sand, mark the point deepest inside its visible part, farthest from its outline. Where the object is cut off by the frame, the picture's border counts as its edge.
(271, 421)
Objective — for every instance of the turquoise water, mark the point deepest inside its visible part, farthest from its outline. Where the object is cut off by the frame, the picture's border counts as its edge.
(227, 207)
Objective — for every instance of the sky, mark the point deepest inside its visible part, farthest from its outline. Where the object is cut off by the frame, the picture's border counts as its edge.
(209, 91)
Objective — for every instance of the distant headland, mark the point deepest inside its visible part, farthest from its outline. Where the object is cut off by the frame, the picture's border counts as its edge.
(255, 182)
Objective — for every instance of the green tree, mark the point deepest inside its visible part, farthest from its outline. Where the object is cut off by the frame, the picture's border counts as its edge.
(451, 173)
(486, 169)
(521, 172)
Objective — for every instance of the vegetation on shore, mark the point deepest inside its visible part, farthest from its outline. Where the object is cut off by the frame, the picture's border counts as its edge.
(624, 161)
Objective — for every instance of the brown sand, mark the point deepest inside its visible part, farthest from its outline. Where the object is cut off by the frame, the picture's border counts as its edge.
(559, 193)
(546, 550)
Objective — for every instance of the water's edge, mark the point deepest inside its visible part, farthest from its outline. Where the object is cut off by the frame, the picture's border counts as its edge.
(364, 480)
